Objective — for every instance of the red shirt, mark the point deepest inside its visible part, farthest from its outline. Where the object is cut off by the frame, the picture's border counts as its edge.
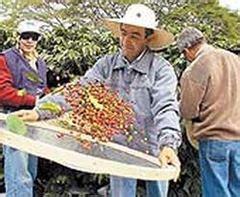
(8, 93)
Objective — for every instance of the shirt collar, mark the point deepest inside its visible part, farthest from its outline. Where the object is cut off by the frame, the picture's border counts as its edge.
(140, 64)
(205, 48)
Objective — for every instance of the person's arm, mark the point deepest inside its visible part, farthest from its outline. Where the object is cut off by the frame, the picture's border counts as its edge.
(98, 72)
(57, 100)
(9, 95)
(166, 117)
(191, 96)
(165, 108)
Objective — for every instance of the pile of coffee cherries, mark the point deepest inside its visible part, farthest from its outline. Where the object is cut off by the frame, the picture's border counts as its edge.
(98, 111)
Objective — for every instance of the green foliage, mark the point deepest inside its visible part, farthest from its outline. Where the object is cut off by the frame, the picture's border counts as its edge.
(6, 37)
(70, 52)
(219, 25)
(129, 1)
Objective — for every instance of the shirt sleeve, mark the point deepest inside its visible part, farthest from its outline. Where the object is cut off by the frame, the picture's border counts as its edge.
(165, 108)
(8, 93)
(96, 73)
(192, 93)
(56, 99)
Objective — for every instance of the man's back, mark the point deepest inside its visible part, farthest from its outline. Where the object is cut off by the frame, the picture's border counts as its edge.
(217, 73)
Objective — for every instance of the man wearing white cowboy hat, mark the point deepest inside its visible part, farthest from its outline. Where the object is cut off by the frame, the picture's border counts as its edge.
(147, 81)
(139, 15)
(18, 90)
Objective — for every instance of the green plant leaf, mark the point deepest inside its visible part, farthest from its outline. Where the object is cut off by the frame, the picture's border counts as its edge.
(16, 125)
(33, 77)
(95, 102)
(50, 106)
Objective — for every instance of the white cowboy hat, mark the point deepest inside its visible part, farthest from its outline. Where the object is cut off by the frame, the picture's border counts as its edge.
(142, 16)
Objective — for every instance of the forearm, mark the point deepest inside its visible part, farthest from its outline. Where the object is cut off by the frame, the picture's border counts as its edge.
(10, 96)
(165, 109)
(169, 131)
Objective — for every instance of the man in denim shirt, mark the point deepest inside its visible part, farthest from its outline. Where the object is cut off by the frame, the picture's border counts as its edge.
(145, 80)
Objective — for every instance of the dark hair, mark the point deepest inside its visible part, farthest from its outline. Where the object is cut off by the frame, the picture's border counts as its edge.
(148, 32)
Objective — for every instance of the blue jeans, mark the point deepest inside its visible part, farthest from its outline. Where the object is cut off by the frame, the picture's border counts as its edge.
(220, 168)
(126, 187)
(20, 170)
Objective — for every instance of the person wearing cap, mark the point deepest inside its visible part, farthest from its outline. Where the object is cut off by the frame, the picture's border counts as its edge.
(22, 81)
(210, 98)
(144, 79)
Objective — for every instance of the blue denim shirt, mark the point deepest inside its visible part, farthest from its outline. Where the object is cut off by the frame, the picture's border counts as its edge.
(149, 83)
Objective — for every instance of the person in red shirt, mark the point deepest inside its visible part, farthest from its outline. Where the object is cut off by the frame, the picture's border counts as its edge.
(22, 81)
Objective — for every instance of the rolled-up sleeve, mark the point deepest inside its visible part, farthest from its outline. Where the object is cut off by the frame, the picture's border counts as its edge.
(165, 108)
